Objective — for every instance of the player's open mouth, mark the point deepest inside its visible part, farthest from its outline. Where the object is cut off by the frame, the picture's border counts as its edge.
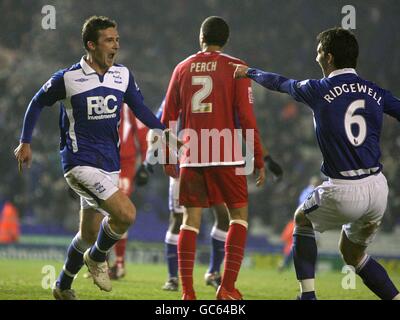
(111, 55)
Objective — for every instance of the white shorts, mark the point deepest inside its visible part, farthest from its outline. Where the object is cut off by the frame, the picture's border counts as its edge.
(173, 200)
(92, 185)
(355, 205)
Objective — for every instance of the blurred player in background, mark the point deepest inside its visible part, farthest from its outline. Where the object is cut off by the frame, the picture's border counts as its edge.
(9, 222)
(309, 189)
(203, 92)
(91, 93)
(348, 113)
(130, 128)
(287, 239)
(287, 233)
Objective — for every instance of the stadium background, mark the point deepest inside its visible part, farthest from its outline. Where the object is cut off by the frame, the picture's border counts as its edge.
(155, 36)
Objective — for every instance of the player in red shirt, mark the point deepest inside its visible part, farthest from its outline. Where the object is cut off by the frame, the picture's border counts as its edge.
(204, 94)
(130, 127)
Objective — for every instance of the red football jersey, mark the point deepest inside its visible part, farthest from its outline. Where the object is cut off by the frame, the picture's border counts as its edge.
(210, 102)
(130, 127)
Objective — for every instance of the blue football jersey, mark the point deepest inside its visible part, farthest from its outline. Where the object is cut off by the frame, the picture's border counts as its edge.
(90, 113)
(348, 113)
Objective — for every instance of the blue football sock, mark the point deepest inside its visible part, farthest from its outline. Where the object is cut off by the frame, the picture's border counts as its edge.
(376, 279)
(171, 253)
(308, 296)
(105, 240)
(304, 252)
(73, 263)
(64, 281)
(217, 255)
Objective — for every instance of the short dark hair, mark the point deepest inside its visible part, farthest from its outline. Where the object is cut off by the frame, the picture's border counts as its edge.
(342, 44)
(215, 31)
(91, 27)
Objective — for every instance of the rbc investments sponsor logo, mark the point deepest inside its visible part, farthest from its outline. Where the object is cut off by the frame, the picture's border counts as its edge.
(99, 107)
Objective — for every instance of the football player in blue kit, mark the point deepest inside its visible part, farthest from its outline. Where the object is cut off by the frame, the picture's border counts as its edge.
(91, 94)
(348, 113)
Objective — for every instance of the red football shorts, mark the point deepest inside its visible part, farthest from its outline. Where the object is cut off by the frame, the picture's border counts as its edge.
(208, 186)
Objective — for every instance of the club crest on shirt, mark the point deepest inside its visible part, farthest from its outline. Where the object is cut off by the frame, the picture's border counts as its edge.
(117, 77)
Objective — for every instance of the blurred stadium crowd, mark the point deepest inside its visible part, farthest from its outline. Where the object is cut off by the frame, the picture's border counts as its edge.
(155, 36)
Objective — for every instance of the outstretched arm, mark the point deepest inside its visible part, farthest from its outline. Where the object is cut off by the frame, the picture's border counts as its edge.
(391, 105)
(23, 152)
(299, 90)
(134, 99)
(31, 117)
(269, 80)
(52, 91)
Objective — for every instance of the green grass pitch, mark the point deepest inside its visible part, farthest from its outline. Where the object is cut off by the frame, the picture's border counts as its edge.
(23, 279)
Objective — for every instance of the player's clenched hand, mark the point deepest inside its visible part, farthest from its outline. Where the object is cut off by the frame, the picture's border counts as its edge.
(171, 170)
(142, 176)
(240, 70)
(23, 154)
(260, 176)
(274, 167)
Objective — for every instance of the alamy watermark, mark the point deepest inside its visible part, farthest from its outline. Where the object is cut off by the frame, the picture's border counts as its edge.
(49, 19)
(349, 20)
(203, 147)
(349, 280)
(49, 277)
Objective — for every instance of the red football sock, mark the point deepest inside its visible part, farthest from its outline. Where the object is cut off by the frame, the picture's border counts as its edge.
(120, 248)
(186, 257)
(234, 252)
